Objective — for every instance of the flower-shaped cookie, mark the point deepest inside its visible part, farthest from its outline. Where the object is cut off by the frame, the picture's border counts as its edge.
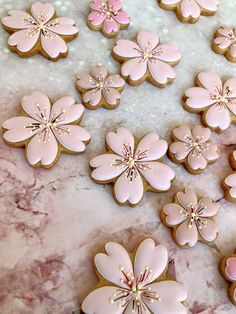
(47, 130)
(225, 42)
(189, 11)
(229, 183)
(100, 89)
(216, 100)
(132, 170)
(146, 59)
(107, 16)
(192, 219)
(39, 31)
(227, 268)
(135, 283)
(193, 148)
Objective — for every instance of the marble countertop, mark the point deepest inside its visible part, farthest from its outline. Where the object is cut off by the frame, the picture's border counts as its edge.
(52, 222)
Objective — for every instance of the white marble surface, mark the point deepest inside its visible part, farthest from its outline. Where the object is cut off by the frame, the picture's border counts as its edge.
(52, 222)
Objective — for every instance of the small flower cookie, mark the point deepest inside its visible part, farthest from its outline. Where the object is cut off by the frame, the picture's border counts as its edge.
(99, 88)
(225, 42)
(192, 219)
(39, 31)
(192, 148)
(134, 283)
(227, 267)
(146, 59)
(216, 100)
(189, 11)
(229, 183)
(47, 130)
(107, 16)
(132, 168)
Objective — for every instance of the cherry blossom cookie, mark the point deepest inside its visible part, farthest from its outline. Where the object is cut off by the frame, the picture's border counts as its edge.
(192, 148)
(45, 131)
(100, 89)
(146, 59)
(191, 218)
(224, 42)
(216, 100)
(39, 31)
(229, 183)
(189, 11)
(132, 168)
(135, 283)
(107, 16)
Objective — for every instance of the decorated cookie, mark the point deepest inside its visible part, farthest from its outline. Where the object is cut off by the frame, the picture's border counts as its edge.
(225, 42)
(146, 59)
(189, 11)
(229, 183)
(39, 31)
(99, 88)
(192, 219)
(216, 100)
(132, 168)
(135, 283)
(227, 267)
(107, 16)
(192, 148)
(46, 130)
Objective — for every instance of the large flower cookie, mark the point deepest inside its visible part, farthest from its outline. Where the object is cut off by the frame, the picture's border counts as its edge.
(107, 16)
(47, 130)
(229, 183)
(192, 148)
(99, 88)
(192, 219)
(135, 283)
(190, 10)
(132, 168)
(227, 268)
(216, 100)
(225, 42)
(39, 31)
(146, 59)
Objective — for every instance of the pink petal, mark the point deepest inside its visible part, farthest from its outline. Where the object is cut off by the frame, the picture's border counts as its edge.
(189, 8)
(111, 95)
(113, 263)
(99, 73)
(117, 140)
(110, 26)
(122, 17)
(211, 152)
(231, 182)
(64, 26)
(126, 49)
(210, 207)
(179, 150)
(160, 71)
(222, 42)
(224, 30)
(135, 69)
(174, 215)
(86, 81)
(198, 98)
(170, 1)
(147, 39)
(210, 80)
(186, 198)
(201, 132)
(182, 132)
(196, 161)
(93, 97)
(16, 20)
(186, 235)
(209, 5)
(150, 256)
(169, 53)
(232, 50)
(98, 5)
(218, 117)
(210, 231)
(53, 45)
(42, 11)
(115, 81)
(96, 18)
(231, 85)
(230, 269)
(23, 41)
(115, 5)
(105, 169)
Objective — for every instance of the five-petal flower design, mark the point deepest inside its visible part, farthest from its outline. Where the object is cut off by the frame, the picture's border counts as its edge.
(227, 268)
(225, 42)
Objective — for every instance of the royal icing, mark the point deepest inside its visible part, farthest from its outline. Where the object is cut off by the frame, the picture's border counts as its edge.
(133, 287)
(128, 166)
(217, 100)
(193, 148)
(147, 59)
(108, 16)
(225, 41)
(45, 130)
(99, 88)
(230, 181)
(39, 30)
(228, 270)
(191, 218)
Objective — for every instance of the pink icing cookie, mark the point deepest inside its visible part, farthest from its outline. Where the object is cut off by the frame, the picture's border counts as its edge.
(189, 11)
(192, 219)
(229, 183)
(192, 148)
(107, 16)
(39, 31)
(146, 59)
(225, 42)
(216, 100)
(132, 168)
(135, 283)
(47, 130)
(99, 88)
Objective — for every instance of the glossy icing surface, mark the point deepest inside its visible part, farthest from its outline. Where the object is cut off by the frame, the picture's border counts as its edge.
(226, 40)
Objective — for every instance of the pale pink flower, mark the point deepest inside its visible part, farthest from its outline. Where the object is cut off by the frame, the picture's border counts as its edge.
(225, 42)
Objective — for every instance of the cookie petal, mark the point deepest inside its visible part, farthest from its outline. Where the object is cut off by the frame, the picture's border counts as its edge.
(126, 49)
(168, 53)
(120, 141)
(96, 18)
(122, 17)
(178, 149)
(174, 214)
(170, 1)
(218, 117)
(230, 269)
(147, 40)
(198, 98)
(134, 69)
(23, 41)
(231, 182)
(210, 230)
(232, 50)
(210, 80)
(189, 8)
(230, 85)
(86, 81)
(201, 132)
(222, 42)
(99, 73)
(196, 161)
(53, 45)
(93, 97)
(110, 25)
(211, 152)
(18, 20)
(115, 81)
(98, 5)
(186, 235)
(208, 5)
(182, 132)
(115, 5)
(63, 26)
(111, 95)
(160, 71)
(186, 198)
(42, 12)
(210, 207)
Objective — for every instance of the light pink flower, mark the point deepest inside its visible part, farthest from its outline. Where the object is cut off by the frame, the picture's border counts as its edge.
(215, 99)
(39, 31)
(191, 218)
(108, 16)
(100, 89)
(147, 59)
(127, 167)
(228, 270)
(46, 130)
(137, 288)
(225, 42)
